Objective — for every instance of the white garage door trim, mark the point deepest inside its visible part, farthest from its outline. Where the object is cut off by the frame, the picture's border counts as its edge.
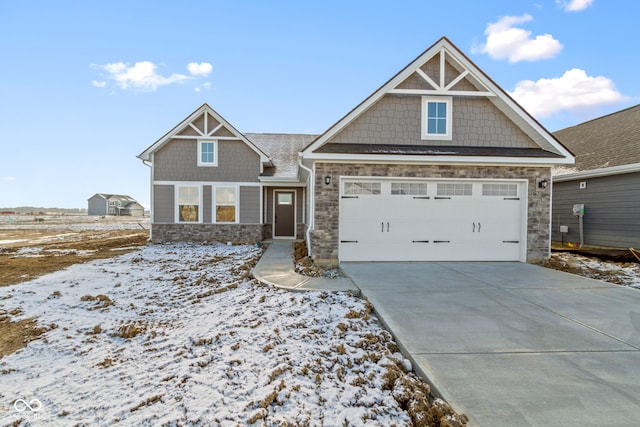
(417, 219)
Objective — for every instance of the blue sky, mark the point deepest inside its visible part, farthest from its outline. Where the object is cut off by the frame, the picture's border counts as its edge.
(86, 86)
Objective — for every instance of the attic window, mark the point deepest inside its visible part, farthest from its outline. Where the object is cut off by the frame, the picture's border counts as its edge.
(436, 117)
(207, 153)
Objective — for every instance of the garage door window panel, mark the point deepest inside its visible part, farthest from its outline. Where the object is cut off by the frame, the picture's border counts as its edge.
(454, 189)
(502, 190)
(362, 188)
(409, 188)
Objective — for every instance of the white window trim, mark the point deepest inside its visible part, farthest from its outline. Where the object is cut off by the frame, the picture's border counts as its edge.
(177, 205)
(215, 152)
(425, 102)
(214, 190)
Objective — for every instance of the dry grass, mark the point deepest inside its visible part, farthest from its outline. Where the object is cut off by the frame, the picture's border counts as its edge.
(103, 244)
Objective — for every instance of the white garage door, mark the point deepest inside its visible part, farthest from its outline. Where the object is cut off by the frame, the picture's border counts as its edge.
(420, 220)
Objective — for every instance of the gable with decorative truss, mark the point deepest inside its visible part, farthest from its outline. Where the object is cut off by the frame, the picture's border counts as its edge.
(441, 75)
(201, 125)
(205, 126)
(440, 100)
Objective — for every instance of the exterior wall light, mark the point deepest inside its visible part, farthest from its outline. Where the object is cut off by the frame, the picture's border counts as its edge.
(542, 183)
(327, 180)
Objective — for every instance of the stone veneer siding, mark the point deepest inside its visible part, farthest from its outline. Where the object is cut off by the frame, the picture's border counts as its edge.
(324, 237)
(237, 233)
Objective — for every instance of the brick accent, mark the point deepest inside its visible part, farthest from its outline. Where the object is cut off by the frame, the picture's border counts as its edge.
(237, 233)
(324, 237)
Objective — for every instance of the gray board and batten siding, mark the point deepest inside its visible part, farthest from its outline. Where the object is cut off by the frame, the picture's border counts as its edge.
(248, 204)
(612, 210)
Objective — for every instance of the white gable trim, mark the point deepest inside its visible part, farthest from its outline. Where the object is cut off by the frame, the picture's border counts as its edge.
(204, 108)
(498, 96)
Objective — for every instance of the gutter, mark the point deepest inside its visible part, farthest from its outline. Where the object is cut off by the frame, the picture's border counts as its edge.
(312, 210)
(594, 173)
(150, 165)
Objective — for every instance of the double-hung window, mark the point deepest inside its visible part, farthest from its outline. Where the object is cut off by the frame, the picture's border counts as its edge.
(225, 204)
(436, 117)
(188, 206)
(207, 152)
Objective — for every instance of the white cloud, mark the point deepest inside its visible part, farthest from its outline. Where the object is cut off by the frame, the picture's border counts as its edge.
(505, 41)
(8, 178)
(96, 83)
(141, 76)
(575, 90)
(204, 86)
(574, 5)
(201, 69)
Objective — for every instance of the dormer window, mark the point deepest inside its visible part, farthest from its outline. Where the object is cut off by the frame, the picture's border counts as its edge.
(436, 117)
(207, 153)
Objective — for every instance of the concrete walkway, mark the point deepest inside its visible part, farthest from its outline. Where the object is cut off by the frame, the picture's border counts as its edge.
(512, 344)
(276, 268)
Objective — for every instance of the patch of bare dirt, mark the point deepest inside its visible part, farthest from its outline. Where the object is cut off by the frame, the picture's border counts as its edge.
(38, 253)
(34, 253)
(619, 273)
(305, 265)
(15, 334)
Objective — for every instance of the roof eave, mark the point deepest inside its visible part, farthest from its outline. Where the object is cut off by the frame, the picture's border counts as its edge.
(595, 173)
(443, 159)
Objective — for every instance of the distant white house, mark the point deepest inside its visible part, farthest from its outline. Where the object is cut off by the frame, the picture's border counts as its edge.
(114, 204)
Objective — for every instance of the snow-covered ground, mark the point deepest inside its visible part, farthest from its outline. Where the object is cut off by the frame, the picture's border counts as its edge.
(181, 335)
(73, 222)
(625, 274)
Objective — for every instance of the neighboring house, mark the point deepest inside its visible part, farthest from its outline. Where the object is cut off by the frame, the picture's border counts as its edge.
(437, 164)
(606, 180)
(114, 204)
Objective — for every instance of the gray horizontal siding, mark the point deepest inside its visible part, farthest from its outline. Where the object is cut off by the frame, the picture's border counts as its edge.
(178, 161)
(249, 205)
(163, 203)
(612, 210)
(97, 206)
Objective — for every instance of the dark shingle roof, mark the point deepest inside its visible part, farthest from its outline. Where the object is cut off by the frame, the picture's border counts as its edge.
(611, 140)
(283, 150)
(433, 150)
(116, 197)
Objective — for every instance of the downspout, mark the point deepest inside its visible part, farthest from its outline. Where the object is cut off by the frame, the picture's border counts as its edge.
(310, 194)
(150, 164)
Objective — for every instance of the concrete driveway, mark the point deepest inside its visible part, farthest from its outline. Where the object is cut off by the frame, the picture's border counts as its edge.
(512, 344)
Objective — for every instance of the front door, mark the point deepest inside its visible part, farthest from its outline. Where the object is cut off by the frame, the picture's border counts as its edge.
(285, 214)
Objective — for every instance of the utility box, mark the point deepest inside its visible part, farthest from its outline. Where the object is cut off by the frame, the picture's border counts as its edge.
(578, 210)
